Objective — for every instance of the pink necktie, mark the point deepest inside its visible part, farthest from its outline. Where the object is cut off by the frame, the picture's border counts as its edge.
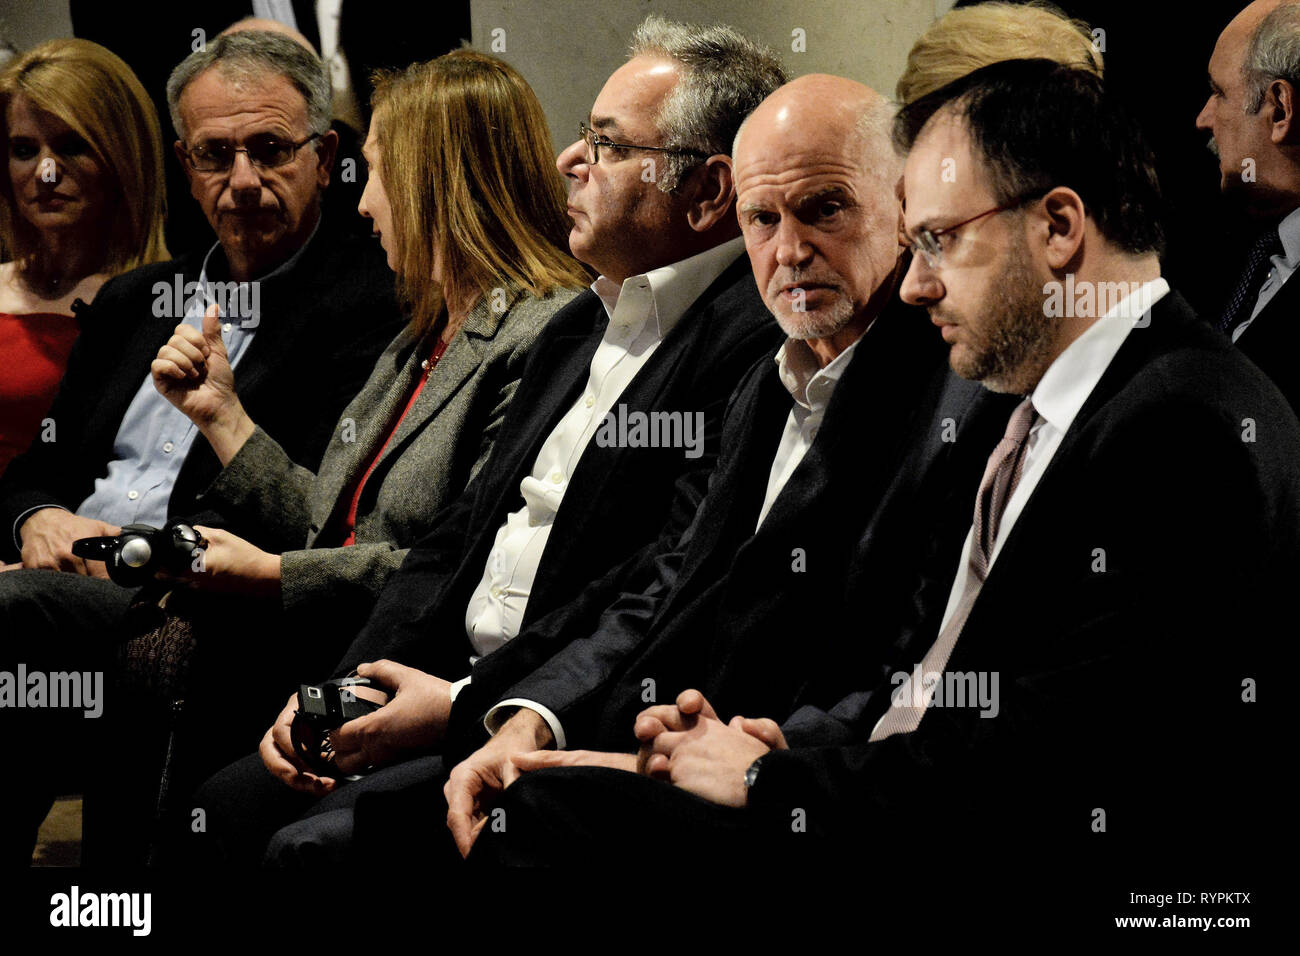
(1001, 476)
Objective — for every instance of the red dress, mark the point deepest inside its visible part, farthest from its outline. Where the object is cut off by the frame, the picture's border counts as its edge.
(34, 349)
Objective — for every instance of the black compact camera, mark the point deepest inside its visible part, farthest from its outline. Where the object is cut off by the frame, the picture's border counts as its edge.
(321, 708)
(141, 550)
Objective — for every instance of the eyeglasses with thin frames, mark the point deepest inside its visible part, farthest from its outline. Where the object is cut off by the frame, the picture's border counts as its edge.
(265, 151)
(927, 244)
(595, 141)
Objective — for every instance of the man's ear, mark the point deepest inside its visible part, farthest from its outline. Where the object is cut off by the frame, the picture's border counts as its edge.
(713, 192)
(1280, 102)
(326, 147)
(185, 160)
(1065, 214)
(179, 148)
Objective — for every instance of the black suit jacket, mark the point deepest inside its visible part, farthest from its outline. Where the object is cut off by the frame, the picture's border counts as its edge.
(1272, 341)
(744, 614)
(619, 499)
(323, 325)
(1123, 618)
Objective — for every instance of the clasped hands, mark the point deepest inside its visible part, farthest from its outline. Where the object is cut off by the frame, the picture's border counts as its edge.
(684, 743)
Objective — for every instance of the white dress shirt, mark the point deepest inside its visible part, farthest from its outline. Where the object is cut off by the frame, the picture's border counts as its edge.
(1284, 266)
(811, 388)
(1059, 395)
(642, 311)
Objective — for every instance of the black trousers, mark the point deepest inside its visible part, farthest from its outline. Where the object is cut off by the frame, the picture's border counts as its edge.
(52, 622)
(250, 817)
(599, 817)
(562, 817)
(250, 655)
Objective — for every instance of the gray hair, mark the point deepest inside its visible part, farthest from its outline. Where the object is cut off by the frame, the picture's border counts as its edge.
(253, 55)
(1274, 54)
(875, 129)
(724, 76)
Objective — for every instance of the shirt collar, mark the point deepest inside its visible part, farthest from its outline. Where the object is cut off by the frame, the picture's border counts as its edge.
(665, 294)
(807, 383)
(1288, 230)
(216, 267)
(1069, 380)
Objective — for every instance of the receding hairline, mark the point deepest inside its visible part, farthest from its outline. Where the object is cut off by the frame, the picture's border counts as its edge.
(870, 121)
(244, 79)
(265, 25)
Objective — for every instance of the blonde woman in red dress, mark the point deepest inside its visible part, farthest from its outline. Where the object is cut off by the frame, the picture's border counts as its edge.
(81, 200)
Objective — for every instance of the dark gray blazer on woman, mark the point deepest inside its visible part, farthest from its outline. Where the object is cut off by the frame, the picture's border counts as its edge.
(441, 444)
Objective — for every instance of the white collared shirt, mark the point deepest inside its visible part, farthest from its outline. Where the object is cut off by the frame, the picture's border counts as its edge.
(810, 386)
(1059, 395)
(642, 311)
(1284, 266)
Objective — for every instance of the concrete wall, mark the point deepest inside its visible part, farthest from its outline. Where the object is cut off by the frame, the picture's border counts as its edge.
(25, 23)
(567, 48)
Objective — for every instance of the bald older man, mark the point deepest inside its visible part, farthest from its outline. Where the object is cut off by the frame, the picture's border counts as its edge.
(840, 456)
(1254, 118)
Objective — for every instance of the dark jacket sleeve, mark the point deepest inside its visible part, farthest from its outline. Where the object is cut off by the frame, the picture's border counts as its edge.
(580, 645)
(572, 652)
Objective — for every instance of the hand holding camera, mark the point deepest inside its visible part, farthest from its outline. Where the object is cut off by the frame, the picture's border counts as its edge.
(412, 722)
(322, 709)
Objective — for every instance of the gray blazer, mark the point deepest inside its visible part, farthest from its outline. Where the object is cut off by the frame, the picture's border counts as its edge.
(441, 444)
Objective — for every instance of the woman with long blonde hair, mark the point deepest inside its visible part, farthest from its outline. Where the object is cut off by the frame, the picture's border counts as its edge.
(81, 200)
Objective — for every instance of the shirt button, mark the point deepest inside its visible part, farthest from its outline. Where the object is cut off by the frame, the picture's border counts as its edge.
(168, 446)
(557, 476)
(227, 327)
(591, 400)
(133, 495)
(495, 592)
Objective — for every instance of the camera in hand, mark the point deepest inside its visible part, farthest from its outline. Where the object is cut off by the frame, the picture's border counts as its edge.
(140, 551)
(321, 708)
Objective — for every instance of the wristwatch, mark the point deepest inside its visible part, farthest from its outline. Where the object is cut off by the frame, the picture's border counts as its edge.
(751, 774)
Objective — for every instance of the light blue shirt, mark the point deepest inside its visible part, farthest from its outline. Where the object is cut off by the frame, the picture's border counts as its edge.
(155, 436)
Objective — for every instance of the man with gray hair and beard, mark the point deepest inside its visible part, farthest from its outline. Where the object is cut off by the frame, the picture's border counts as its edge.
(840, 455)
